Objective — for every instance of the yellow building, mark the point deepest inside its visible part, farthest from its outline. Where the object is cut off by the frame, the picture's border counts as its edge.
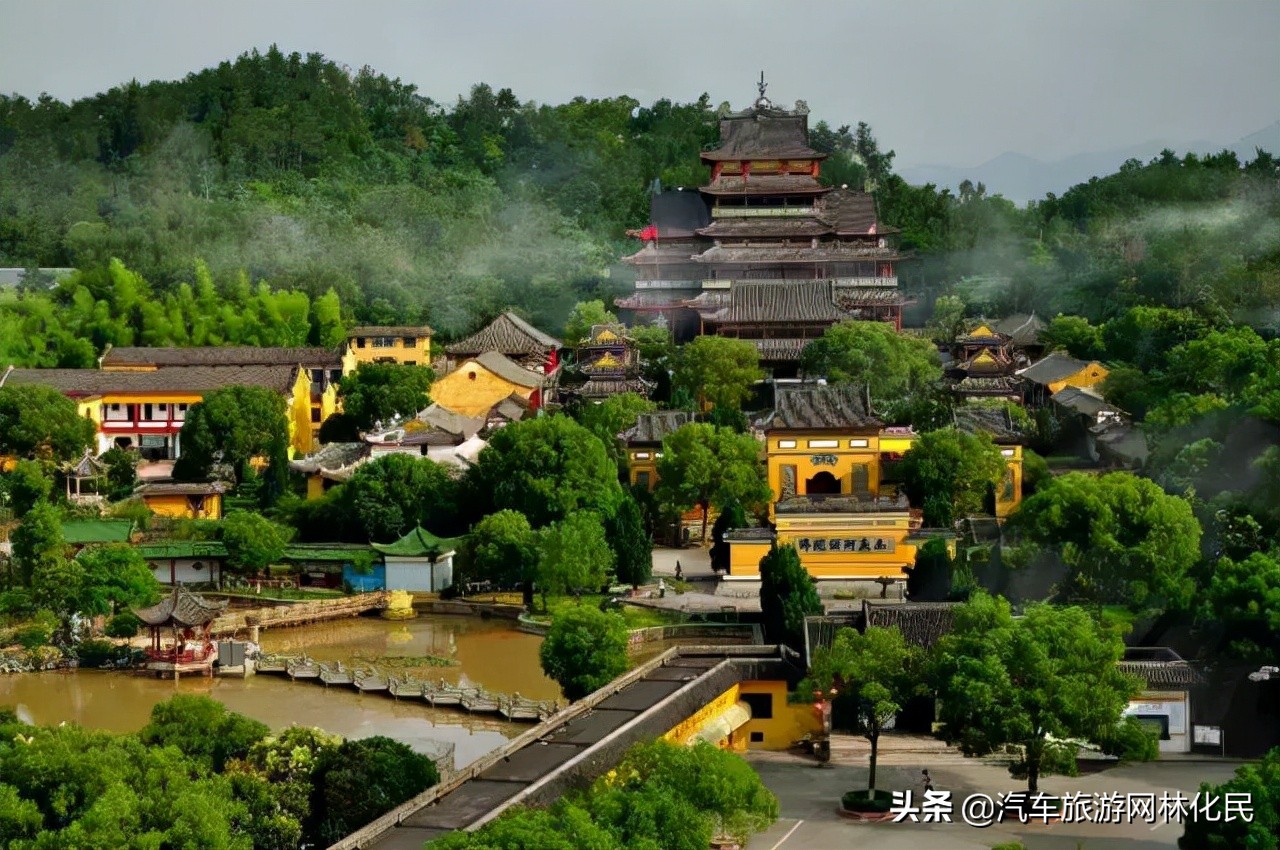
(145, 408)
(408, 345)
(184, 500)
(753, 714)
(830, 466)
(1059, 370)
(644, 444)
(995, 422)
(479, 384)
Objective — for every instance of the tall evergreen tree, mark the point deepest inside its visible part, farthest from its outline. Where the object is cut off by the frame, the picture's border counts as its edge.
(632, 547)
(788, 594)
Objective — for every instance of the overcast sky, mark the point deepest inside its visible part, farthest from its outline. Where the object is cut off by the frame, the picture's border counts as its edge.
(954, 82)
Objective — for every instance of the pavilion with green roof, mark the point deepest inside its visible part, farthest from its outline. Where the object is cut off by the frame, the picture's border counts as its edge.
(419, 561)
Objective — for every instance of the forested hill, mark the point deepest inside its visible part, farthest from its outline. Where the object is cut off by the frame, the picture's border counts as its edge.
(302, 174)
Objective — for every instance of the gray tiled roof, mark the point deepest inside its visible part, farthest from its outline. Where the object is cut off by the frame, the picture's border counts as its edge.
(651, 428)
(390, 330)
(331, 456)
(1083, 401)
(981, 419)
(1022, 328)
(780, 350)
(507, 334)
(821, 406)
(182, 488)
(763, 134)
(1054, 367)
(509, 370)
(921, 623)
(227, 355)
(791, 301)
(197, 379)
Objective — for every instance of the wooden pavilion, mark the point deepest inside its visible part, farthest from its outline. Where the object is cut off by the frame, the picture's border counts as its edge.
(190, 618)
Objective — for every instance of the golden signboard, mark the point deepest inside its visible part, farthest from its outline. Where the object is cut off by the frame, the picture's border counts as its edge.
(731, 168)
(801, 165)
(765, 166)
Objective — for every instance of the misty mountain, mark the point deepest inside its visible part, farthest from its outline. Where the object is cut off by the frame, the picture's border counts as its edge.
(1022, 178)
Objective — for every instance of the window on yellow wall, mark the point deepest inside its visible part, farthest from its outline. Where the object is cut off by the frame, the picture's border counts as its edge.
(857, 444)
(824, 444)
(786, 444)
(761, 705)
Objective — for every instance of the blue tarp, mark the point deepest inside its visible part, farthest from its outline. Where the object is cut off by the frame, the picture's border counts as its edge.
(376, 580)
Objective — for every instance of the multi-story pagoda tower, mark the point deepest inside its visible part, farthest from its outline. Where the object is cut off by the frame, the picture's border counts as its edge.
(765, 252)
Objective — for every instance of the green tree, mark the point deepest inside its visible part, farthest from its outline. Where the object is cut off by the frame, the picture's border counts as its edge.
(947, 322)
(893, 367)
(586, 649)
(949, 473)
(704, 466)
(731, 516)
(26, 485)
(38, 421)
(253, 542)
(545, 468)
(612, 416)
(877, 670)
(1040, 682)
(502, 548)
(1122, 538)
(203, 729)
(38, 542)
(1074, 335)
(585, 314)
(379, 392)
(122, 473)
(573, 555)
(788, 594)
(391, 495)
(1257, 783)
(718, 371)
(234, 425)
(632, 547)
(1243, 599)
(361, 780)
(116, 577)
(1143, 336)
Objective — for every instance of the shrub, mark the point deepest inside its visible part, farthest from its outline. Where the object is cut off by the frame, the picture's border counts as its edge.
(123, 625)
(95, 653)
(858, 801)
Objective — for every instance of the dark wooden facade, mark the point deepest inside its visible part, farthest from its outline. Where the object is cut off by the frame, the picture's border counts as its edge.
(765, 252)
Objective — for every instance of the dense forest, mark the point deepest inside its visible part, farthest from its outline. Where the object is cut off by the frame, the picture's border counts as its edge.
(349, 191)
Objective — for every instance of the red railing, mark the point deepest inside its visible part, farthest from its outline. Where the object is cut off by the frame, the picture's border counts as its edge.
(181, 656)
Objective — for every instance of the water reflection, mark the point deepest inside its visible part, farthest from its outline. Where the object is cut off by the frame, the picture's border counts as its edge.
(489, 653)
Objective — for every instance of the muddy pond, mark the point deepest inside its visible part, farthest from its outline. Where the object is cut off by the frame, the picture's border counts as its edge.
(488, 653)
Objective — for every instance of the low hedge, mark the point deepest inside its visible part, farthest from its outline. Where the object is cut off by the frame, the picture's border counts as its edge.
(858, 801)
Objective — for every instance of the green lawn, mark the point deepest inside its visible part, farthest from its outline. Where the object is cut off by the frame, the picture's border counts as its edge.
(286, 594)
(635, 617)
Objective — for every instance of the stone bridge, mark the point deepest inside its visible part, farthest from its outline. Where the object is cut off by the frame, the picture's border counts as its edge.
(574, 747)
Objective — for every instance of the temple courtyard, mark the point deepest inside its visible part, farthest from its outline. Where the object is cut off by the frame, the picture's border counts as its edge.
(809, 797)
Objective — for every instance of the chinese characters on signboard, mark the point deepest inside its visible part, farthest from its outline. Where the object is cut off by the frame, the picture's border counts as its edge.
(845, 544)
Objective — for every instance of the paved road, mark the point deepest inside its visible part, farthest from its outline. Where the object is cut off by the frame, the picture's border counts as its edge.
(809, 797)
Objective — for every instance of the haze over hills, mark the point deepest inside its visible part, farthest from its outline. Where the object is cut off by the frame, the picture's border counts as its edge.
(1022, 178)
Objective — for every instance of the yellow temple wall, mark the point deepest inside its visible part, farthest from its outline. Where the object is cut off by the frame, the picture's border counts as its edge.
(1006, 502)
(418, 353)
(643, 460)
(177, 506)
(790, 722)
(472, 390)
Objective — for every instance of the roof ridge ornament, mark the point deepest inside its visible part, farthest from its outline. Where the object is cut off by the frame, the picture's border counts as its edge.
(762, 102)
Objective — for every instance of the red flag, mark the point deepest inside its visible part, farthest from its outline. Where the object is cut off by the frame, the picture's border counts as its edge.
(650, 233)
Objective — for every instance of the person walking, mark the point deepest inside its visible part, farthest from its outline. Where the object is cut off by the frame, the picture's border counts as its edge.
(926, 780)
